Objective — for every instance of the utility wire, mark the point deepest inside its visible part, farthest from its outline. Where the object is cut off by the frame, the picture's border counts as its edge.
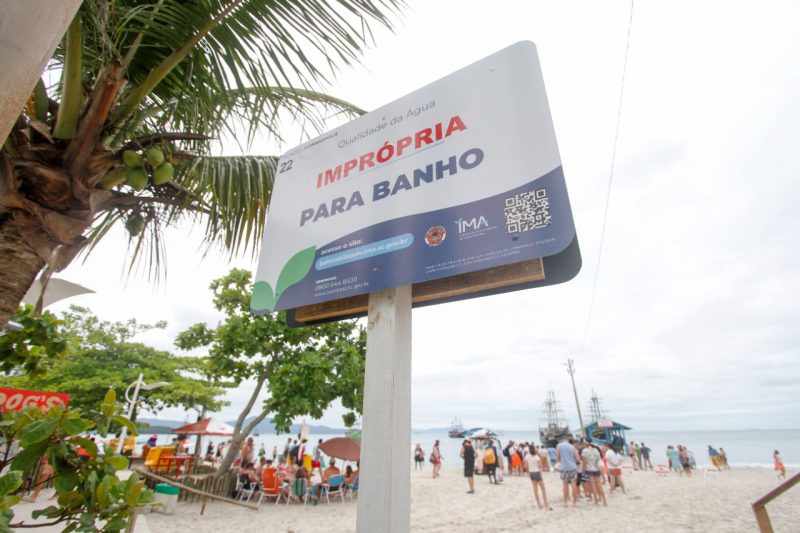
(610, 182)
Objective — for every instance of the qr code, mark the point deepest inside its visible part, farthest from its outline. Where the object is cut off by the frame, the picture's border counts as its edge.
(527, 211)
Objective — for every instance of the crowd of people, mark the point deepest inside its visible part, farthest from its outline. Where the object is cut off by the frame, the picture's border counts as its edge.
(582, 466)
(277, 476)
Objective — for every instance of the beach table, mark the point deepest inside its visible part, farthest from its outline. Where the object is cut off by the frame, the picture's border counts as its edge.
(167, 463)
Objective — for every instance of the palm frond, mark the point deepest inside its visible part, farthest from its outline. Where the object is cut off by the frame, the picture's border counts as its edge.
(223, 67)
(236, 192)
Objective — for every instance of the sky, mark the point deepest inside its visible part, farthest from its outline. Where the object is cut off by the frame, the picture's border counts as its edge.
(694, 319)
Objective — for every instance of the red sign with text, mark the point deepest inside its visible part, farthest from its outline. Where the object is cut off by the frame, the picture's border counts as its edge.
(16, 400)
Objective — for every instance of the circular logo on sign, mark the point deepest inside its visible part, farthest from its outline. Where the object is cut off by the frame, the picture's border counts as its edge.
(435, 236)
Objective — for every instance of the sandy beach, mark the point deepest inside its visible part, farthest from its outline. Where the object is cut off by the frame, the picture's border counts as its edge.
(652, 503)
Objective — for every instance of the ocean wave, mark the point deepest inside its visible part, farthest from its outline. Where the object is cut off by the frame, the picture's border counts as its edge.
(769, 466)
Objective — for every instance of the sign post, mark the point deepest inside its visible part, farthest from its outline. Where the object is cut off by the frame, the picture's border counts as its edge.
(453, 191)
(385, 479)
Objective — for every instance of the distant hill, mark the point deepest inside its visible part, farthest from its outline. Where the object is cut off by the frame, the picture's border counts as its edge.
(266, 427)
(159, 426)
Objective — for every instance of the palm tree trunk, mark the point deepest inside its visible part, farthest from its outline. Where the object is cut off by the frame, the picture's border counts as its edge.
(19, 265)
(31, 31)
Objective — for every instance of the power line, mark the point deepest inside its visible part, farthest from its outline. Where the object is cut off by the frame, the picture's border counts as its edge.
(610, 182)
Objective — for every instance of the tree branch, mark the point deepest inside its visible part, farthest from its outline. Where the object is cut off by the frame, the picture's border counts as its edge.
(24, 525)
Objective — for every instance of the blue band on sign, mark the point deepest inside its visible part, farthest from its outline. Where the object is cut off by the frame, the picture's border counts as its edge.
(392, 244)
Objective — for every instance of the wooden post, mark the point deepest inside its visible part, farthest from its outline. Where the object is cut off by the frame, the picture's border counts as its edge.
(385, 480)
(762, 519)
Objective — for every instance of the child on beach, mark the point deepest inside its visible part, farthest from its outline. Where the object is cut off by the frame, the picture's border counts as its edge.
(779, 468)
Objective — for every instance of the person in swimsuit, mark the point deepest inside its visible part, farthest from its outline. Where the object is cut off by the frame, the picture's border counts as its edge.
(419, 457)
(436, 459)
(779, 468)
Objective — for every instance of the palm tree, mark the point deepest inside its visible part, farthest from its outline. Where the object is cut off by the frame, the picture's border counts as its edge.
(143, 90)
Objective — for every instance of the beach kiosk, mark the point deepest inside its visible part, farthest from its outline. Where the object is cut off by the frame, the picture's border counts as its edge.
(453, 191)
(606, 431)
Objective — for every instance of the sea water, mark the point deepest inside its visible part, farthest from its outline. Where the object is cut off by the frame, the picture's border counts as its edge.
(744, 448)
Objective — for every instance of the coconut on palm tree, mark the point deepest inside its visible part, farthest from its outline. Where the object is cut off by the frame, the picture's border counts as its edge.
(140, 92)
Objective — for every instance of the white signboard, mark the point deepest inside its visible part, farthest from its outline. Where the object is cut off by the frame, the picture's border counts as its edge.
(461, 175)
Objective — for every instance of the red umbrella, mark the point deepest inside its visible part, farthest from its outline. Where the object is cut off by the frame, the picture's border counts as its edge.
(342, 448)
(207, 426)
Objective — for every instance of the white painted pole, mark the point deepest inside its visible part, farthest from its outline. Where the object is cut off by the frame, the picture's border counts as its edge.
(385, 480)
(30, 30)
(132, 406)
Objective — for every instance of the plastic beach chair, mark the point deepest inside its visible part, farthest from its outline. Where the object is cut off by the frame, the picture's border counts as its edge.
(246, 488)
(300, 490)
(335, 487)
(273, 488)
(352, 488)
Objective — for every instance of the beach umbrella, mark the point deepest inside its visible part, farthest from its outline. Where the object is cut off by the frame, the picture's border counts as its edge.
(342, 448)
(207, 426)
(56, 289)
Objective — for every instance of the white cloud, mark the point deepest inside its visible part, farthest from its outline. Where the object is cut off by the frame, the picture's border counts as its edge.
(694, 321)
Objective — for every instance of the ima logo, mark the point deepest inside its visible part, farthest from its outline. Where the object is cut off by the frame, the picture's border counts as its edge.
(475, 223)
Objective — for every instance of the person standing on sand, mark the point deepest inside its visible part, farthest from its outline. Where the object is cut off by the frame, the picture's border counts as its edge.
(468, 454)
(419, 457)
(274, 453)
(779, 468)
(507, 454)
(490, 461)
(686, 463)
(46, 471)
(568, 458)
(246, 453)
(713, 456)
(534, 462)
(632, 454)
(286, 448)
(646, 457)
(638, 450)
(674, 459)
(723, 458)
(436, 459)
(614, 468)
(591, 465)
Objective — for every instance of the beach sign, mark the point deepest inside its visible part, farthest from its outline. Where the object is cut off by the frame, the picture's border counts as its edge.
(18, 399)
(456, 189)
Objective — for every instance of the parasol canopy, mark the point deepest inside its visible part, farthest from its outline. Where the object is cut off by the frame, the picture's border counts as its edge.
(57, 289)
(342, 448)
(207, 426)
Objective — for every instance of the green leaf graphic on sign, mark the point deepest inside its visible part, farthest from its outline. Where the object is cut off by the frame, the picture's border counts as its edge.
(263, 298)
(295, 270)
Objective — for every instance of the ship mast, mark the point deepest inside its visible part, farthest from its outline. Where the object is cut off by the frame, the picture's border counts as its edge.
(595, 410)
(571, 371)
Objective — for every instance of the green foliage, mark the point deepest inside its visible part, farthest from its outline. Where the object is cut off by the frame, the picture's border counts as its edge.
(40, 343)
(198, 71)
(89, 495)
(115, 362)
(305, 368)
